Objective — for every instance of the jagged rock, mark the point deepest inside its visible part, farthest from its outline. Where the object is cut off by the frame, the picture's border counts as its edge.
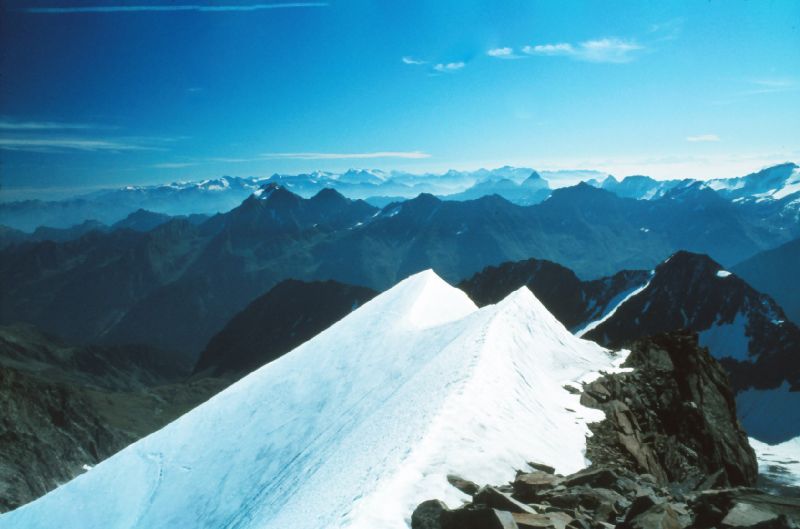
(579, 523)
(658, 516)
(491, 497)
(711, 508)
(464, 485)
(528, 486)
(654, 423)
(593, 477)
(641, 504)
(746, 515)
(603, 500)
(428, 515)
(542, 467)
(477, 518)
(554, 520)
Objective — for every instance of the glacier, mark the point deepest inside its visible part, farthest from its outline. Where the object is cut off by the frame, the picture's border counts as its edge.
(355, 427)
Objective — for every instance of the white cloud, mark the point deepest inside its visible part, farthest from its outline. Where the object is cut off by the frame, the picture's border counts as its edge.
(613, 50)
(562, 48)
(449, 67)
(411, 60)
(501, 53)
(703, 138)
(413, 155)
(170, 7)
(608, 50)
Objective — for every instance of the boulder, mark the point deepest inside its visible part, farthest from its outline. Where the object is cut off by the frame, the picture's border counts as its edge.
(747, 515)
(528, 486)
(554, 520)
(658, 516)
(464, 485)
(477, 518)
(491, 497)
(541, 467)
(593, 477)
(428, 515)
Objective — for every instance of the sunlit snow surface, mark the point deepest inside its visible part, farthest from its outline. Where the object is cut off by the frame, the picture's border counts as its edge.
(357, 426)
(780, 462)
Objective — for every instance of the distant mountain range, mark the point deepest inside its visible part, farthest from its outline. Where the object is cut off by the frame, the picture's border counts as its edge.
(773, 183)
(778, 185)
(177, 284)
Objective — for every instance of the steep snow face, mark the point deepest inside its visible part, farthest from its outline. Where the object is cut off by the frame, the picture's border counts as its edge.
(355, 427)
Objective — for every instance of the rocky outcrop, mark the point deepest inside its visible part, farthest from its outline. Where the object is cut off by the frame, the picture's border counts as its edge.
(670, 454)
(745, 329)
(605, 497)
(673, 416)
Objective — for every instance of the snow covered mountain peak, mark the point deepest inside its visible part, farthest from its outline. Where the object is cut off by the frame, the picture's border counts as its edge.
(355, 427)
(425, 300)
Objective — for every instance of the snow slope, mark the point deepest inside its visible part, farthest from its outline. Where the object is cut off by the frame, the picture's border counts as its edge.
(358, 425)
(779, 462)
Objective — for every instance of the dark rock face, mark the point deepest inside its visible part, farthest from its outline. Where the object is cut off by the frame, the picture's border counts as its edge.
(687, 292)
(65, 407)
(673, 417)
(289, 314)
(572, 301)
(48, 431)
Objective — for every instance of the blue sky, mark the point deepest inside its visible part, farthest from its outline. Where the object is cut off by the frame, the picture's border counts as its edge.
(103, 94)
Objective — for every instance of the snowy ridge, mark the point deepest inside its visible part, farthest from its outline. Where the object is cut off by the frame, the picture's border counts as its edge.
(358, 425)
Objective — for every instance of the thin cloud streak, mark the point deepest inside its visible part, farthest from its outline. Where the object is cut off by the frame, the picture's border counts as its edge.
(11, 124)
(411, 60)
(167, 8)
(53, 145)
(409, 155)
(174, 165)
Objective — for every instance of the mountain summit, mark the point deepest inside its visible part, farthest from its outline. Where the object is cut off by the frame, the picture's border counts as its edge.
(358, 425)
